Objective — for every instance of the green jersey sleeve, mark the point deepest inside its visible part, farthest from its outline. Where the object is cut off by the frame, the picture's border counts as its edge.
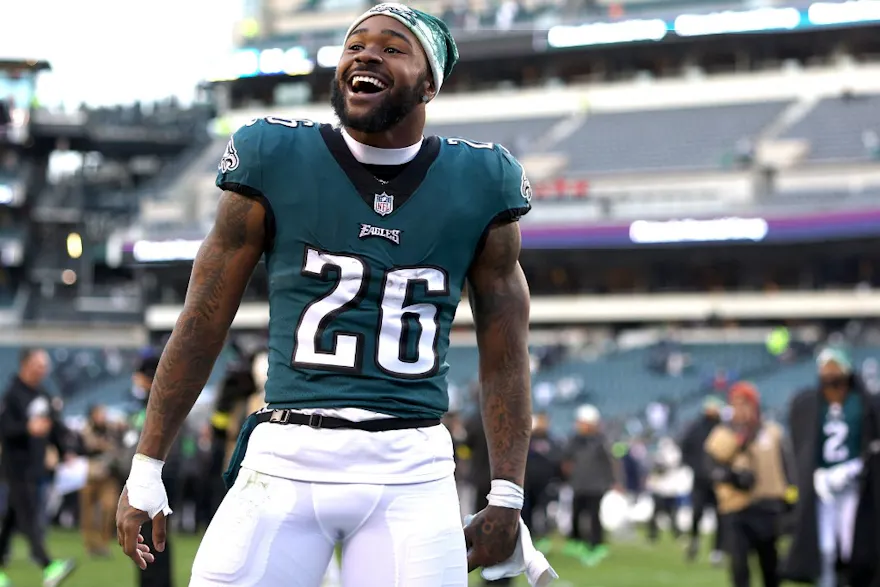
(515, 190)
(241, 167)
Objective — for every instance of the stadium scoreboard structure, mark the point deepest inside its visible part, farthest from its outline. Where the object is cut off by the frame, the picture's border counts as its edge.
(639, 38)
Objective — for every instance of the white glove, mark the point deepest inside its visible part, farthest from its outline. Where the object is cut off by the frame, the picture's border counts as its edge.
(146, 492)
(840, 476)
(820, 484)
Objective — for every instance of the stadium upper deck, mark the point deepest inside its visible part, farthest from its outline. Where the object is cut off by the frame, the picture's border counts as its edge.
(648, 148)
(277, 18)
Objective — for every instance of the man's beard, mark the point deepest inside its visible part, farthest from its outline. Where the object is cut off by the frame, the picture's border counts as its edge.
(394, 107)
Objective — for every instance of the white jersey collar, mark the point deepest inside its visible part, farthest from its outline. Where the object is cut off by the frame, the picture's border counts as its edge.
(375, 156)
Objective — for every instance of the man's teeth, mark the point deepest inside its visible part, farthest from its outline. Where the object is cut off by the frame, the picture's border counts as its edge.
(359, 79)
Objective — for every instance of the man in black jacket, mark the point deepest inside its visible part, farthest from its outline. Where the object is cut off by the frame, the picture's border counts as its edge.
(703, 493)
(591, 471)
(543, 467)
(835, 469)
(27, 425)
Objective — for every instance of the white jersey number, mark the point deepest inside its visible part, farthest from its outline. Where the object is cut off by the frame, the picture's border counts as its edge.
(835, 450)
(397, 311)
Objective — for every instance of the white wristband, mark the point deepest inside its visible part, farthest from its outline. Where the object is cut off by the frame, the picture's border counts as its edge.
(505, 494)
(146, 492)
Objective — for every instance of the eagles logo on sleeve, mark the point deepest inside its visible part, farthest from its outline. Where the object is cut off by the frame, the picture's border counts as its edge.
(526, 187)
(229, 161)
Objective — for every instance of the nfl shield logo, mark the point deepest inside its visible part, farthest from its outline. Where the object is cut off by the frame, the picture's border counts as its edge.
(383, 204)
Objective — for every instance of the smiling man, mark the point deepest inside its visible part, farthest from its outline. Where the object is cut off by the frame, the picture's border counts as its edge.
(370, 232)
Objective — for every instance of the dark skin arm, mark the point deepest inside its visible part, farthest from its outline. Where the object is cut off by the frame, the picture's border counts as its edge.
(221, 271)
(499, 297)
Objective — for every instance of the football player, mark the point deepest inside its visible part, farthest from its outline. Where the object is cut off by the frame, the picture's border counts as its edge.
(834, 431)
(370, 232)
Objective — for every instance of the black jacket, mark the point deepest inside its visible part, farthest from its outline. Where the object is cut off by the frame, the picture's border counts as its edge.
(592, 464)
(24, 456)
(803, 561)
(544, 462)
(481, 471)
(693, 452)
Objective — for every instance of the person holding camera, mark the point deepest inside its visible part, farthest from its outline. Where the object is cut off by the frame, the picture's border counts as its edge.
(748, 468)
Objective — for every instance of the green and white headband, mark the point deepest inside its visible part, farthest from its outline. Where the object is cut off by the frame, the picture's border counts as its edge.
(835, 355)
(432, 33)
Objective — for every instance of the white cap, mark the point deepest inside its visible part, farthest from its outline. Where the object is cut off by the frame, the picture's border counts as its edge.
(588, 414)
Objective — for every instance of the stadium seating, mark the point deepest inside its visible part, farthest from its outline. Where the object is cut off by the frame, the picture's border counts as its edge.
(835, 128)
(516, 135)
(675, 139)
(463, 364)
(87, 376)
(621, 384)
(79, 371)
(215, 147)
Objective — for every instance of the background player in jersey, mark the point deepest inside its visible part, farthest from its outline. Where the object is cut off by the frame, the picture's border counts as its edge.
(832, 430)
(370, 233)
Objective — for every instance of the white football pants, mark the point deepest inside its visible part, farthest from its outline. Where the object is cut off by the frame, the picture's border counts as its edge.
(274, 532)
(837, 524)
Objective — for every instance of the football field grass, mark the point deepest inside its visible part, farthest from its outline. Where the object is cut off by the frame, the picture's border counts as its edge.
(631, 564)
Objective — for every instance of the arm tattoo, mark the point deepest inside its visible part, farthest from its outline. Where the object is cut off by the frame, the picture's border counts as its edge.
(500, 300)
(220, 274)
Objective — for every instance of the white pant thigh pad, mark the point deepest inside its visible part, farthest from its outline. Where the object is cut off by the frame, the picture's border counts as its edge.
(264, 534)
(413, 538)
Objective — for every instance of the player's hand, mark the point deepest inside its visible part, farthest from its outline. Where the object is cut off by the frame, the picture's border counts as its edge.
(128, 532)
(491, 536)
(820, 485)
(39, 426)
(837, 478)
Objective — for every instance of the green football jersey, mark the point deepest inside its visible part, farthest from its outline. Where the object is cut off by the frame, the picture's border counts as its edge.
(840, 434)
(365, 276)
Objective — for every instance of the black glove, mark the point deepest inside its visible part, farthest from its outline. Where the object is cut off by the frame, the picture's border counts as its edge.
(720, 474)
(743, 480)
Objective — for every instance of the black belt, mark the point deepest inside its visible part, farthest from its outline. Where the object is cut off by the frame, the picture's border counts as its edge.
(319, 421)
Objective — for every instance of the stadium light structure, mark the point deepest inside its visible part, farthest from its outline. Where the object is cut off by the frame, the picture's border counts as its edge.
(74, 245)
(329, 56)
(605, 33)
(691, 230)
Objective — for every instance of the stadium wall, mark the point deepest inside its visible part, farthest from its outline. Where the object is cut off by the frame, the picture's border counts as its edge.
(122, 336)
(604, 309)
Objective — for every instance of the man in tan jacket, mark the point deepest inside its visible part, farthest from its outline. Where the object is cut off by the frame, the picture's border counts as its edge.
(749, 471)
(98, 497)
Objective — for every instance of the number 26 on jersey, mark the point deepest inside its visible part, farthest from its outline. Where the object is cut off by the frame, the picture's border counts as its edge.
(396, 313)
